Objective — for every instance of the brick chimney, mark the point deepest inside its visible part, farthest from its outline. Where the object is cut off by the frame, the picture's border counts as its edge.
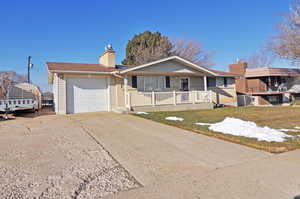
(109, 57)
(238, 68)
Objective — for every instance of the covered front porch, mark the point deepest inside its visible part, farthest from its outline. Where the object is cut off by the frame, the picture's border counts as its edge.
(168, 90)
(136, 100)
(172, 83)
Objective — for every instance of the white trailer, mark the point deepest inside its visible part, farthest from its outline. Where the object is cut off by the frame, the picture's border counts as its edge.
(13, 105)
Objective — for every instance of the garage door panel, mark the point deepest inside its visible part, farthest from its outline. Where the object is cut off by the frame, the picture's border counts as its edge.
(86, 95)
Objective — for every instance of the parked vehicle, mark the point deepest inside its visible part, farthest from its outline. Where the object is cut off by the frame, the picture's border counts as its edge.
(21, 97)
(13, 105)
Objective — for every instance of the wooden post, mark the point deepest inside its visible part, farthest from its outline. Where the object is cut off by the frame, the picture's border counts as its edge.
(174, 97)
(205, 82)
(193, 94)
(153, 98)
(126, 89)
(129, 100)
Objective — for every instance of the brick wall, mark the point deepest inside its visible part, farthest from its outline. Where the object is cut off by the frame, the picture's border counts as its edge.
(238, 68)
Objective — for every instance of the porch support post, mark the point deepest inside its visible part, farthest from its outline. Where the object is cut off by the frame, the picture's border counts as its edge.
(174, 97)
(193, 94)
(126, 90)
(153, 98)
(205, 82)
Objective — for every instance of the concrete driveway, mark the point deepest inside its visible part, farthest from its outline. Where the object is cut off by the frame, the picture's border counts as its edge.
(54, 157)
(174, 163)
(123, 156)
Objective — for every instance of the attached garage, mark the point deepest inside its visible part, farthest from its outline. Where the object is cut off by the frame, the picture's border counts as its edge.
(86, 95)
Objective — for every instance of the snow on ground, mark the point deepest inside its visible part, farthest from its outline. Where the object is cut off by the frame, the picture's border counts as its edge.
(238, 127)
(297, 127)
(141, 113)
(203, 124)
(289, 130)
(174, 118)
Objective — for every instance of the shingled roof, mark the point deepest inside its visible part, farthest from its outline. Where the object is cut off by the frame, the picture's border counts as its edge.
(265, 72)
(80, 67)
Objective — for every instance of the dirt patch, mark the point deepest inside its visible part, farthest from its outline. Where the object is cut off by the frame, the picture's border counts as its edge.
(54, 157)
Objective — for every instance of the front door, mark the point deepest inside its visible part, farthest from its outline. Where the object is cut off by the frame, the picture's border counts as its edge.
(184, 84)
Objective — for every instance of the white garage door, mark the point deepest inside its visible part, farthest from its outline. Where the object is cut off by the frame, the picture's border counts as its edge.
(86, 95)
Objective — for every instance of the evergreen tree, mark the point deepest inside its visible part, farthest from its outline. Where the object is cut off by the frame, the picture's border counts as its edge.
(146, 47)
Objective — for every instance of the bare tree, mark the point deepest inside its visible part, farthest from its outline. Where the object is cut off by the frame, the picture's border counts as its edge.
(7, 79)
(287, 43)
(263, 58)
(193, 51)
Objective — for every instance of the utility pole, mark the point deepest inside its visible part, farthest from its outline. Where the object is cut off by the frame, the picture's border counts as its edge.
(29, 65)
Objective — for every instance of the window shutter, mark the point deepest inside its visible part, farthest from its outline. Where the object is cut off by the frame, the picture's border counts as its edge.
(168, 82)
(134, 82)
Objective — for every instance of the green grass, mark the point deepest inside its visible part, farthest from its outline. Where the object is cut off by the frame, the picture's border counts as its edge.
(274, 117)
(296, 102)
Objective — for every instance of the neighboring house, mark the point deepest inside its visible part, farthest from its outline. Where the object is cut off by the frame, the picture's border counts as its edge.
(267, 86)
(172, 83)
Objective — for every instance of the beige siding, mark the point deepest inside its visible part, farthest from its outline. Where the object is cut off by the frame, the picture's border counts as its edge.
(168, 67)
(113, 92)
(55, 92)
(197, 83)
(59, 89)
(120, 98)
(225, 96)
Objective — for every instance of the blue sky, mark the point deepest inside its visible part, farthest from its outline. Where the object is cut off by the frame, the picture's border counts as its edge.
(77, 31)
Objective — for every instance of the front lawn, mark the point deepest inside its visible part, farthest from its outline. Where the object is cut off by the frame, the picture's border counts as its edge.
(273, 117)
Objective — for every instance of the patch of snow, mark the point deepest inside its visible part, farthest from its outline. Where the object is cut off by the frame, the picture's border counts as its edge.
(141, 113)
(174, 118)
(297, 127)
(203, 124)
(289, 130)
(238, 127)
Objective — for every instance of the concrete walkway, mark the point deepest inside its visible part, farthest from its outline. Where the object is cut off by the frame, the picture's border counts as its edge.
(174, 163)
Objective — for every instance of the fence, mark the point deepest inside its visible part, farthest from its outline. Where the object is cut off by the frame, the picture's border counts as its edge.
(245, 100)
(168, 98)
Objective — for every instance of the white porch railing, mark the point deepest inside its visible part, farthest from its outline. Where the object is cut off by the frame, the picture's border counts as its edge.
(167, 98)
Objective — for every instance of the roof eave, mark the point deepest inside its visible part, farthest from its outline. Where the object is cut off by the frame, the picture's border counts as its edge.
(168, 59)
(83, 72)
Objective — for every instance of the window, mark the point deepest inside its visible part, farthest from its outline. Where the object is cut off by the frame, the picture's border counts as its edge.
(167, 82)
(211, 82)
(154, 83)
(225, 82)
(150, 83)
(134, 82)
(184, 84)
